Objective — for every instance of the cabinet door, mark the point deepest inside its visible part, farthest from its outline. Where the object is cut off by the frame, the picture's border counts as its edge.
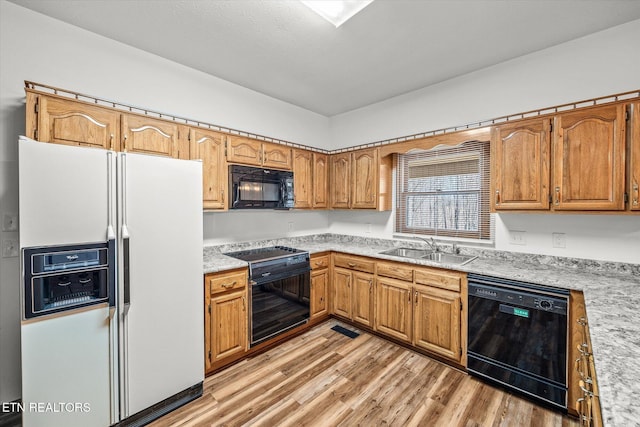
(634, 158)
(208, 146)
(320, 180)
(589, 156)
(302, 178)
(520, 165)
(340, 180)
(75, 123)
(341, 296)
(244, 150)
(364, 179)
(276, 156)
(363, 298)
(393, 308)
(228, 325)
(319, 284)
(436, 321)
(149, 136)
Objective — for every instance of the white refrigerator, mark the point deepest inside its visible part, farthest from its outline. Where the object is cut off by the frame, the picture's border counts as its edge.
(101, 364)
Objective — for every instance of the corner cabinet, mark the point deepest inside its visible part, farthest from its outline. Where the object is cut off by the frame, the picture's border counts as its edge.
(520, 165)
(226, 317)
(361, 180)
(589, 159)
(208, 146)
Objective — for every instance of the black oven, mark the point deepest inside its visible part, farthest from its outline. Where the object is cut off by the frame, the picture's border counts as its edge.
(517, 337)
(259, 188)
(60, 278)
(279, 291)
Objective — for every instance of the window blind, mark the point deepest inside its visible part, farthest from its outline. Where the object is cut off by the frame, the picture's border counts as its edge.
(444, 192)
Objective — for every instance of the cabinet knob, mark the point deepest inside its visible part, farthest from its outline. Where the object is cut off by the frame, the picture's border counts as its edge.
(497, 197)
(557, 202)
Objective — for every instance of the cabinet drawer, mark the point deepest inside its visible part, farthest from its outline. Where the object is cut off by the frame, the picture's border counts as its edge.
(441, 279)
(396, 271)
(354, 263)
(225, 282)
(319, 262)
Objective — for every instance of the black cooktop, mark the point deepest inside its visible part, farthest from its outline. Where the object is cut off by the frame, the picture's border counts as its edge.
(262, 254)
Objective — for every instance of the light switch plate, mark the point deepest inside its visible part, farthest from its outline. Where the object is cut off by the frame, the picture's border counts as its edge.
(10, 248)
(9, 222)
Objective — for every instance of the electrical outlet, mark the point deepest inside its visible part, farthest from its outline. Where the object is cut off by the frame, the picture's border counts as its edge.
(9, 248)
(517, 238)
(9, 222)
(559, 240)
(368, 226)
(290, 225)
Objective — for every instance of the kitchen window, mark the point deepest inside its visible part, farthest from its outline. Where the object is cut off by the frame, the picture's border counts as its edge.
(445, 192)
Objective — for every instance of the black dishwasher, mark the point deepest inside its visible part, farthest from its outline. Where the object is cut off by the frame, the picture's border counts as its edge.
(518, 337)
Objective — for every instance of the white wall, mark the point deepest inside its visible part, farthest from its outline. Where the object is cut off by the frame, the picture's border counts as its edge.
(601, 64)
(242, 226)
(37, 48)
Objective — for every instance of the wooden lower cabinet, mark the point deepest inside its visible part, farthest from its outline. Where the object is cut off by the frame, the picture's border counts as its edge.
(319, 304)
(583, 399)
(363, 298)
(437, 321)
(341, 292)
(319, 287)
(226, 317)
(394, 308)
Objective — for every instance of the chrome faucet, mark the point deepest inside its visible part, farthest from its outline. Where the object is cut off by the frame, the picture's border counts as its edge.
(432, 243)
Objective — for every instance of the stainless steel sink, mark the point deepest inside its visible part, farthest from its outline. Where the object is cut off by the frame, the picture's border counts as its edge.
(407, 252)
(446, 258)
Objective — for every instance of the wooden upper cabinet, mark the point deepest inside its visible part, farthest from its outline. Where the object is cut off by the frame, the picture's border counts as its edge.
(520, 165)
(320, 180)
(276, 156)
(147, 135)
(634, 157)
(340, 180)
(303, 178)
(244, 150)
(364, 181)
(68, 122)
(208, 146)
(589, 159)
(257, 153)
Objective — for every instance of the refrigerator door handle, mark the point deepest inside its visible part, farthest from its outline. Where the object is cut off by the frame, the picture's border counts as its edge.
(125, 269)
(111, 235)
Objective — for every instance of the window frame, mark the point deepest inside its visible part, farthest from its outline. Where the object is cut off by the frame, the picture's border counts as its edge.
(447, 154)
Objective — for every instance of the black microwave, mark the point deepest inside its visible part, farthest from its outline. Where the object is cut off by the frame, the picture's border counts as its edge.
(259, 188)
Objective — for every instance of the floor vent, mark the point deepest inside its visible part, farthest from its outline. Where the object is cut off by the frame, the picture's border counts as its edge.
(345, 331)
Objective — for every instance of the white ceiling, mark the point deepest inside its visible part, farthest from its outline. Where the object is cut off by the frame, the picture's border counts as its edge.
(284, 50)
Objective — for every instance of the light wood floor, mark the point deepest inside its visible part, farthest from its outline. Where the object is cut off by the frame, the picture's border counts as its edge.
(323, 378)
